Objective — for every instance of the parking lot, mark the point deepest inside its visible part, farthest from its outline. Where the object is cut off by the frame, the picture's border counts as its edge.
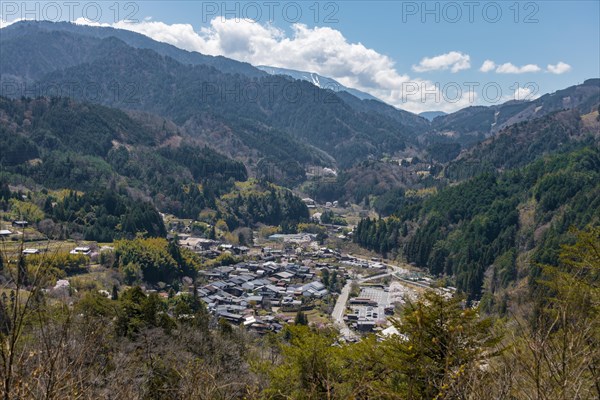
(373, 313)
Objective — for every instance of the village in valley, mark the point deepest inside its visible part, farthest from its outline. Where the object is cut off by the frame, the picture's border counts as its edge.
(272, 281)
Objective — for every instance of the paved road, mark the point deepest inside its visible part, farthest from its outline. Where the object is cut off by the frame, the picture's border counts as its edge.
(340, 305)
(338, 312)
(374, 277)
(379, 296)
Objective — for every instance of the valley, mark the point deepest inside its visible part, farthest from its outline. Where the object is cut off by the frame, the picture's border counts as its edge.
(177, 225)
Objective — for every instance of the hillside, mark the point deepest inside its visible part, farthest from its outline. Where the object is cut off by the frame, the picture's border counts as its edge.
(522, 143)
(292, 116)
(33, 33)
(475, 121)
(500, 206)
(276, 125)
(494, 225)
(118, 163)
(318, 80)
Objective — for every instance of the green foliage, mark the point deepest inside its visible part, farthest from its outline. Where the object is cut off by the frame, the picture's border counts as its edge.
(378, 235)
(23, 210)
(328, 217)
(114, 293)
(153, 260)
(389, 202)
(190, 309)
(63, 144)
(301, 318)
(312, 228)
(331, 280)
(137, 312)
(69, 264)
(94, 305)
(271, 207)
(464, 229)
(107, 215)
(440, 341)
(443, 152)
(440, 345)
(310, 368)
(205, 163)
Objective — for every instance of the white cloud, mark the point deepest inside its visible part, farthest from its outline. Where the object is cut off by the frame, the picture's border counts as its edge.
(559, 68)
(487, 66)
(509, 68)
(525, 93)
(320, 49)
(454, 60)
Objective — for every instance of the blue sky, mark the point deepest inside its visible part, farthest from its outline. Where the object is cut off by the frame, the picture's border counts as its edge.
(413, 54)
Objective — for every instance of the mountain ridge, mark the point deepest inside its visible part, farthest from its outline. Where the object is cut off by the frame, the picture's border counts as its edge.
(318, 80)
(180, 92)
(318, 127)
(133, 39)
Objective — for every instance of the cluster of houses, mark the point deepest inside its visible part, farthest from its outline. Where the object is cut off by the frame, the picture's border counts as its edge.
(208, 247)
(355, 262)
(298, 238)
(248, 293)
(265, 290)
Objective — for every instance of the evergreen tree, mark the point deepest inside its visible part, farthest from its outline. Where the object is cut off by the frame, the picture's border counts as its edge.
(325, 277)
(441, 341)
(301, 318)
(115, 293)
(212, 234)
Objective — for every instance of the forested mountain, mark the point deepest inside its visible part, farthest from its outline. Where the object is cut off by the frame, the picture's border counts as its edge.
(480, 120)
(418, 123)
(522, 143)
(33, 33)
(292, 116)
(503, 204)
(318, 80)
(116, 160)
(185, 93)
(495, 224)
(238, 109)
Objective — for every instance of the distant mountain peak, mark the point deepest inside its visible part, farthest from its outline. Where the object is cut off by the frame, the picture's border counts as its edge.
(430, 115)
(320, 81)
